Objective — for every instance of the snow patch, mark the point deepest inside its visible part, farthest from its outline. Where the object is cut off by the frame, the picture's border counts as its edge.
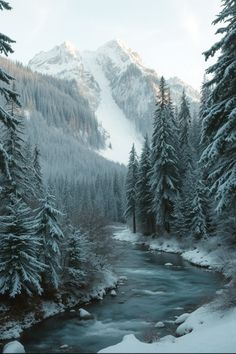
(13, 347)
(159, 324)
(182, 318)
(113, 293)
(211, 332)
(121, 130)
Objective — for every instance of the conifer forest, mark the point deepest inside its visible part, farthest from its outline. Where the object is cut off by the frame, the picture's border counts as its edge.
(117, 177)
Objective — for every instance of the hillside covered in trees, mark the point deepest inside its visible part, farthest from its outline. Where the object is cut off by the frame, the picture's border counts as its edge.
(61, 202)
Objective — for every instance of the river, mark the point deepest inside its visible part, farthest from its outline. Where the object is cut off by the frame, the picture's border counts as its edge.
(152, 292)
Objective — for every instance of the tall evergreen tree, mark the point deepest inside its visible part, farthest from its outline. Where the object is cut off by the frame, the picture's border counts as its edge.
(5, 91)
(205, 102)
(144, 197)
(38, 177)
(50, 236)
(164, 172)
(184, 121)
(5, 118)
(219, 125)
(20, 269)
(198, 216)
(131, 188)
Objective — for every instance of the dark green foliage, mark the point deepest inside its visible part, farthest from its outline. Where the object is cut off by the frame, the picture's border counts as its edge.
(164, 161)
(131, 188)
(144, 196)
(20, 270)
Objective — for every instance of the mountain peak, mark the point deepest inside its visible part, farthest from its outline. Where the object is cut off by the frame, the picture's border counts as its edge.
(119, 51)
(69, 47)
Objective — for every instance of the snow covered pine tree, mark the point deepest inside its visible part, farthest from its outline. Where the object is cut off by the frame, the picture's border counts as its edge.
(164, 170)
(219, 125)
(131, 188)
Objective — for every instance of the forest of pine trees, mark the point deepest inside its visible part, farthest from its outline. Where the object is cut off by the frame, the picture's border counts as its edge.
(52, 236)
(52, 220)
(185, 184)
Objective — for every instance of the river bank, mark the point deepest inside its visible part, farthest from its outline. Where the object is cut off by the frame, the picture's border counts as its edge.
(209, 253)
(210, 328)
(154, 289)
(14, 322)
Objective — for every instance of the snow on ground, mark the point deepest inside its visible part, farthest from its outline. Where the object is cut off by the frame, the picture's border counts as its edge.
(209, 329)
(121, 130)
(13, 328)
(208, 332)
(13, 347)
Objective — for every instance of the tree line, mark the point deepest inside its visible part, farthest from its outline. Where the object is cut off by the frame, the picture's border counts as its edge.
(44, 251)
(184, 183)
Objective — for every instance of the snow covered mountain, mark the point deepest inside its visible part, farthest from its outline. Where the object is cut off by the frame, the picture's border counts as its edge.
(119, 87)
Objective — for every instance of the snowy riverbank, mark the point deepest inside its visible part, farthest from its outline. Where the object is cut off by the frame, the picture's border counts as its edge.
(209, 329)
(13, 325)
(207, 253)
(211, 332)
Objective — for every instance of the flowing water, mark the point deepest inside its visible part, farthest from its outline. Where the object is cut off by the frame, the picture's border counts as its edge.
(152, 292)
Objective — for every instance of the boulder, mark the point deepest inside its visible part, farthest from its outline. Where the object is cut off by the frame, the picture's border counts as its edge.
(85, 315)
(113, 293)
(159, 325)
(64, 346)
(123, 278)
(182, 318)
(13, 347)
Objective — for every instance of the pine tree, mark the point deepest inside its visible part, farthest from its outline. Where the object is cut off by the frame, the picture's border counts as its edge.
(5, 118)
(164, 172)
(205, 102)
(13, 144)
(20, 269)
(6, 92)
(198, 215)
(131, 188)
(76, 257)
(144, 196)
(219, 125)
(50, 236)
(184, 121)
(38, 177)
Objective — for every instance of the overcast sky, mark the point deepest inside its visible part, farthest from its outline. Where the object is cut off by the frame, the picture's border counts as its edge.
(170, 35)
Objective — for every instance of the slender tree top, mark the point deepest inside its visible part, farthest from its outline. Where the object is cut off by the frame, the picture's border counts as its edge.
(163, 94)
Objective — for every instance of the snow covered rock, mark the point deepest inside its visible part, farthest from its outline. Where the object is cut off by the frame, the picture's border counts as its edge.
(13, 347)
(182, 318)
(113, 293)
(64, 346)
(159, 325)
(85, 315)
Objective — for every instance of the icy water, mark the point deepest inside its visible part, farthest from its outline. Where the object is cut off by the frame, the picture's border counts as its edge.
(153, 292)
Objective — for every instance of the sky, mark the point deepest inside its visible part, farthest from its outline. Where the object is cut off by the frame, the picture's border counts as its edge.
(169, 35)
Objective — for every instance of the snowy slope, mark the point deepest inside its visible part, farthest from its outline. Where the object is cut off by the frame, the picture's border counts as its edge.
(122, 132)
(119, 87)
(211, 332)
(65, 62)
